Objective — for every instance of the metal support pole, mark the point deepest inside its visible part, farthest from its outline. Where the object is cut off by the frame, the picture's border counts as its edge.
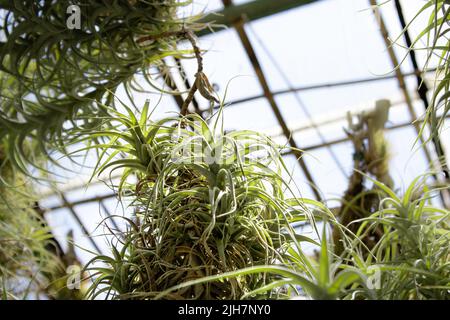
(253, 10)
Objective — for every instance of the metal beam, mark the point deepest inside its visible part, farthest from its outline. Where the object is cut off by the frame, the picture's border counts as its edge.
(187, 83)
(325, 120)
(253, 10)
(345, 139)
(399, 74)
(170, 82)
(316, 87)
(70, 206)
(298, 99)
(110, 216)
(67, 204)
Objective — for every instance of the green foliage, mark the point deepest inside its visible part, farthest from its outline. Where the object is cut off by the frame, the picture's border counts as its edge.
(53, 80)
(212, 214)
(205, 203)
(297, 275)
(437, 44)
(52, 76)
(32, 264)
(223, 229)
(24, 241)
(413, 255)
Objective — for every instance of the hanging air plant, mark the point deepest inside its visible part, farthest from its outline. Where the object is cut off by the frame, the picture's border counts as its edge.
(52, 73)
(370, 157)
(204, 203)
(412, 258)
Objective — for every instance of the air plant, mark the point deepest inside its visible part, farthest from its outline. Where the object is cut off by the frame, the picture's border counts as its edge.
(412, 257)
(32, 262)
(205, 203)
(52, 76)
(298, 275)
(212, 216)
(24, 256)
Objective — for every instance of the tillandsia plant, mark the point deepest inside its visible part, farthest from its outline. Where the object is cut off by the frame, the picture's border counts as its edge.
(297, 275)
(412, 258)
(52, 71)
(30, 260)
(205, 202)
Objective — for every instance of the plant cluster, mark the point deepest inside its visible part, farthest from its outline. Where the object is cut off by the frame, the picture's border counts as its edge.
(204, 203)
(52, 77)
(52, 80)
(24, 240)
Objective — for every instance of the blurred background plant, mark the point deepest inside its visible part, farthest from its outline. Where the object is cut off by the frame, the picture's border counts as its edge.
(54, 77)
(370, 158)
(413, 255)
(32, 262)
